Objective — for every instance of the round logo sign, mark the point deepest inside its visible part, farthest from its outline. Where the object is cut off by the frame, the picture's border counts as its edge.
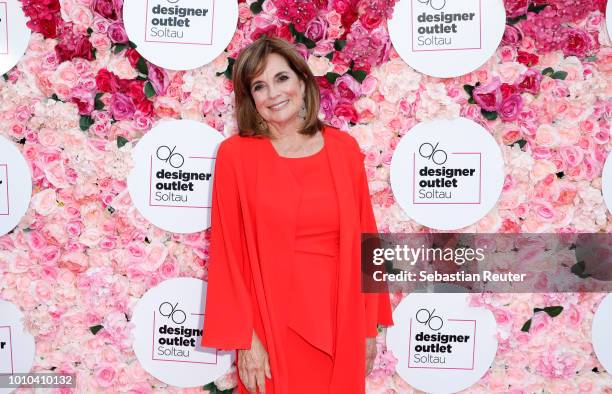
(16, 344)
(447, 174)
(180, 34)
(442, 344)
(600, 333)
(14, 34)
(167, 333)
(15, 186)
(171, 182)
(447, 38)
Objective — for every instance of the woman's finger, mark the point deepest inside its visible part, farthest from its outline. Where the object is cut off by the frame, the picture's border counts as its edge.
(267, 368)
(261, 381)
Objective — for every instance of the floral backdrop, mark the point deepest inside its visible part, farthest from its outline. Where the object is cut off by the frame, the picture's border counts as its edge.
(82, 96)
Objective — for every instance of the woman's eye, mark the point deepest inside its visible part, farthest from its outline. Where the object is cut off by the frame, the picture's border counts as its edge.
(283, 77)
(256, 88)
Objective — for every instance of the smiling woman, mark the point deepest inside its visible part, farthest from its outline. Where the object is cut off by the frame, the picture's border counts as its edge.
(290, 201)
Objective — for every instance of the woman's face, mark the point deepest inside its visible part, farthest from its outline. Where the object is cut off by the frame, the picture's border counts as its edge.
(278, 92)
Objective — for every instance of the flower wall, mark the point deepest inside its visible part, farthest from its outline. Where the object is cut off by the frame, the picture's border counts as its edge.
(82, 96)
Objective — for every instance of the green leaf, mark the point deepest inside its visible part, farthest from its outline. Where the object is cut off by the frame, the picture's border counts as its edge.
(339, 45)
(89, 31)
(553, 311)
(559, 75)
(514, 21)
(331, 77)
(256, 7)
(548, 71)
(521, 143)
(330, 56)
(526, 326)
(359, 75)
(55, 97)
(85, 122)
(93, 52)
(536, 8)
(94, 329)
(131, 44)
(141, 66)
(230, 68)
(579, 269)
(98, 104)
(560, 174)
(489, 115)
(591, 59)
(121, 141)
(148, 89)
(469, 89)
(119, 47)
(5, 76)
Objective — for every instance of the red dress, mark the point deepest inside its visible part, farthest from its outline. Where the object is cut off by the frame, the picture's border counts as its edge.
(312, 305)
(260, 228)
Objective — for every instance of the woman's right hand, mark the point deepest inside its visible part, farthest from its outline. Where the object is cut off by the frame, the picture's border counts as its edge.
(254, 366)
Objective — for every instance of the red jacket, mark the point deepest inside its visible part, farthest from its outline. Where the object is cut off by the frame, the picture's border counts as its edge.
(253, 231)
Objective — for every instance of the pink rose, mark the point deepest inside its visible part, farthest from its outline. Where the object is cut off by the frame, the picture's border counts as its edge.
(515, 8)
(159, 79)
(488, 96)
(347, 88)
(122, 106)
(316, 29)
(44, 202)
(512, 35)
(510, 108)
(106, 375)
(116, 33)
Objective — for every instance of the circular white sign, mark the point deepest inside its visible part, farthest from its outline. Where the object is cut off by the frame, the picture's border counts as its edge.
(447, 174)
(442, 345)
(606, 182)
(600, 333)
(16, 344)
(167, 333)
(180, 34)
(15, 186)
(171, 182)
(14, 34)
(447, 38)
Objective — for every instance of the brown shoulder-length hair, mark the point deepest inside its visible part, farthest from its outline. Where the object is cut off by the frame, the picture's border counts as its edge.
(250, 63)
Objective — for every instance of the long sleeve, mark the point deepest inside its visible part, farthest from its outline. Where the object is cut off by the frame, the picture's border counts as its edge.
(377, 305)
(228, 317)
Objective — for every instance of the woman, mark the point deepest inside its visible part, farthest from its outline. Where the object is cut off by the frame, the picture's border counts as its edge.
(290, 199)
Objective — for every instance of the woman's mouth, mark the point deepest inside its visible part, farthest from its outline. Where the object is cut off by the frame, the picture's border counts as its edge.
(278, 106)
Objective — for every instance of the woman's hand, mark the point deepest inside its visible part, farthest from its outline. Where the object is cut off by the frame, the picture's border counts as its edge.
(370, 353)
(252, 365)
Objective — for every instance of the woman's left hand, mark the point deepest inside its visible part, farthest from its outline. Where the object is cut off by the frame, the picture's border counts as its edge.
(370, 353)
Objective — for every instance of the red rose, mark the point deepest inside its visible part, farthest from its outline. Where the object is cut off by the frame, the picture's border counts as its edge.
(577, 42)
(107, 82)
(133, 56)
(488, 96)
(528, 59)
(530, 82)
(507, 90)
(346, 111)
